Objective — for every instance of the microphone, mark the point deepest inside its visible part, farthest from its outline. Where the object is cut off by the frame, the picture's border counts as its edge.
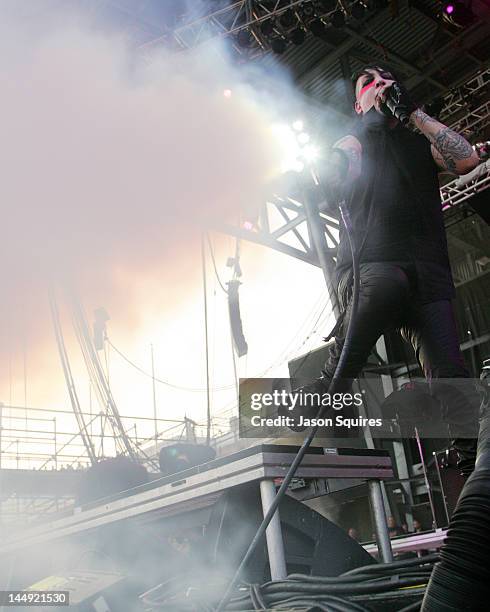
(398, 104)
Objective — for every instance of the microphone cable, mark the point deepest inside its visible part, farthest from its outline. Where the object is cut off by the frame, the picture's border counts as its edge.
(308, 440)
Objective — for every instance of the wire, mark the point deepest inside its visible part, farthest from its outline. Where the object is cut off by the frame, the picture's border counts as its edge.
(166, 382)
(308, 440)
(214, 264)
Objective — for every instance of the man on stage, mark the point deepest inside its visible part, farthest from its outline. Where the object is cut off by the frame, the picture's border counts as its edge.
(388, 176)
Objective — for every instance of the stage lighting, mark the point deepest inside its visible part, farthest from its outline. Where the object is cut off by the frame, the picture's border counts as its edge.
(227, 93)
(297, 36)
(328, 5)
(298, 125)
(267, 27)
(457, 12)
(287, 18)
(244, 38)
(338, 19)
(358, 11)
(303, 138)
(278, 45)
(317, 28)
(309, 153)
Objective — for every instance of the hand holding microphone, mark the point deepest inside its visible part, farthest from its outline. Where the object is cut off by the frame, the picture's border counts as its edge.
(396, 102)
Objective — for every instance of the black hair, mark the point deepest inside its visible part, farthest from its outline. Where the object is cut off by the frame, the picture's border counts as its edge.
(373, 66)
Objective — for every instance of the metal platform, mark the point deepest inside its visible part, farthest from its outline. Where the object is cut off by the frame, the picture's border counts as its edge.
(200, 487)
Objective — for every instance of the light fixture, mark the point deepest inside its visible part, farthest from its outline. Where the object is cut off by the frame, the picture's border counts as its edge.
(297, 36)
(338, 19)
(287, 18)
(457, 12)
(358, 11)
(317, 28)
(309, 153)
(303, 138)
(267, 27)
(244, 38)
(328, 5)
(278, 45)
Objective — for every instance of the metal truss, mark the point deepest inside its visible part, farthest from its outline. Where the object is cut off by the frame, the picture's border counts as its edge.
(282, 225)
(458, 99)
(234, 18)
(458, 111)
(459, 191)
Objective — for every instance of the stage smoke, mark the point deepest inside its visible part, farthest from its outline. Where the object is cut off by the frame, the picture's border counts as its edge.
(112, 160)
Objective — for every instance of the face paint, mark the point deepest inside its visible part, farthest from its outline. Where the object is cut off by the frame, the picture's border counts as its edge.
(366, 87)
(371, 80)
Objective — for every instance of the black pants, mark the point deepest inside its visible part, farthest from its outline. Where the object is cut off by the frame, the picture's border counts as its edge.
(387, 299)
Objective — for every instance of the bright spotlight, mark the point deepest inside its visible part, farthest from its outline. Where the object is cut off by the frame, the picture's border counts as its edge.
(303, 138)
(298, 125)
(227, 93)
(310, 153)
(298, 166)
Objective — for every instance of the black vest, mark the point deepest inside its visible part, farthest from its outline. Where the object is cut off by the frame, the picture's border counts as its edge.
(396, 212)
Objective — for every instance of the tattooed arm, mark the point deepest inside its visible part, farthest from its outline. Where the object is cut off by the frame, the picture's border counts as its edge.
(450, 151)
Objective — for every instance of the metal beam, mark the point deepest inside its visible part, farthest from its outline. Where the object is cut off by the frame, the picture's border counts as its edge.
(395, 58)
(319, 67)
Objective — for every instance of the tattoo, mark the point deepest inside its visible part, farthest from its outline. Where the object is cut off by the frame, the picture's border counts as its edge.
(449, 146)
(422, 118)
(452, 147)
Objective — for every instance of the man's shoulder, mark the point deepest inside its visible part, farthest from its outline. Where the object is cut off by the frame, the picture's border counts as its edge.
(350, 141)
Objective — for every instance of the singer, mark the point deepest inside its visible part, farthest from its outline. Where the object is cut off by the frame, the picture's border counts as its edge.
(388, 176)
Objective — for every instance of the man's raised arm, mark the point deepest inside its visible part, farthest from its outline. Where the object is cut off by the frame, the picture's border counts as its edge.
(450, 151)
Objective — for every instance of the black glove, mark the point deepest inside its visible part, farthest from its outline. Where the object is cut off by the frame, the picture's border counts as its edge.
(398, 103)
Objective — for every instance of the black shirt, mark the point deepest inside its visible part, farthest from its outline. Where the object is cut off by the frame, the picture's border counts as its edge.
(396, 212)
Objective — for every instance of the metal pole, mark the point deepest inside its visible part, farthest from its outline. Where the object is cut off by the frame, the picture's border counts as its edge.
(204, 285)
(1, 426)
(55, 445)
(380, 526)
(154, 399)
(317, 234)
(275, 544)
(426, 479)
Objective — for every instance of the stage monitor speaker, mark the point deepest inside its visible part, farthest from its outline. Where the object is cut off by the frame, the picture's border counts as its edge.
(313, 545)
(201, 545)
(182, 456)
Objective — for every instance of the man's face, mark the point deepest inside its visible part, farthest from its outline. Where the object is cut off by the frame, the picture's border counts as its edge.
(369, 86)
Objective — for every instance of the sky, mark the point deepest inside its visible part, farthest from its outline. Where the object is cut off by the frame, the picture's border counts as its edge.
(113, 163)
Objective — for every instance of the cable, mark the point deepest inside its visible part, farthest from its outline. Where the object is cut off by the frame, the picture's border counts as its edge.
(214, 264)
(165, 382)
(308, 440)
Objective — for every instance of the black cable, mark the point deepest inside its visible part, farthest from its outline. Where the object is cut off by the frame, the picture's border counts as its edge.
(214, 263)
(381, 567)
(308, 440)
(348, 606)
(256, 597)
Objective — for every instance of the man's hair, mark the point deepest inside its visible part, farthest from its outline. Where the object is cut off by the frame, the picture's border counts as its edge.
(374, 66)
